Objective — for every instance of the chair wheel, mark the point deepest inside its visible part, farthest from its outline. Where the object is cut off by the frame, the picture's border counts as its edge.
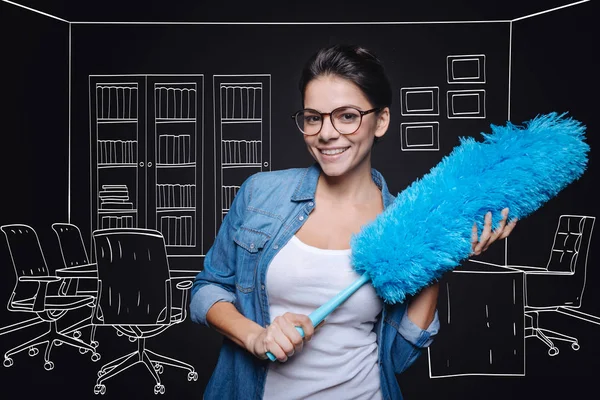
(33, 351)
(94, 344)
(95, 357)
(119, 333)
(58, 342)
(77, 334)
(575, 346)
(192, 376)
(83, 350)
(8, 362)
(159, 368)
(99, 389)
(159, 389)
(132, 339)
(553, 351)
(48, 365)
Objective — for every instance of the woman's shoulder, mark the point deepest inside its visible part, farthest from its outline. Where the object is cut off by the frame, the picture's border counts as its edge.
(269, 191)
(274, 178)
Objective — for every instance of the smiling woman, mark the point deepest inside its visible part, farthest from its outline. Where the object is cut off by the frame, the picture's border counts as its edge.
(284, 249)
(342, 143)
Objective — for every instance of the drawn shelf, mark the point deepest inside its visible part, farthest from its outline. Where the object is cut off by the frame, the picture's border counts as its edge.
(242, 113)
(176, 137)
(146, 165)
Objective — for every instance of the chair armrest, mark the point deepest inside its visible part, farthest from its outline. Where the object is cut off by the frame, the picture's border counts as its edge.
(184, 285)
(40, 279)
(40, 296)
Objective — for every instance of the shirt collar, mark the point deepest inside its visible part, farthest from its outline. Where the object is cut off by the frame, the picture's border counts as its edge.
(306, 188)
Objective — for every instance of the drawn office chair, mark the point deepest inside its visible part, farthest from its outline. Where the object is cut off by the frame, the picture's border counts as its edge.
(74, 254)
(32, 273)
(135, 297)
(560, 285)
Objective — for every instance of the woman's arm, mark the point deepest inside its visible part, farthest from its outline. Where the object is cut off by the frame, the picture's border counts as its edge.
(421, 309)
(227, 320)
(280, 338)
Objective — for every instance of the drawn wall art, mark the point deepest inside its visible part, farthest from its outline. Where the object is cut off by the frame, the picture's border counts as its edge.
(420, 136)
(466, 103)
(464, 69)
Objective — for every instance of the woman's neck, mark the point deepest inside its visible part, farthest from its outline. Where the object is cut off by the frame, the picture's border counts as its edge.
(354, 187)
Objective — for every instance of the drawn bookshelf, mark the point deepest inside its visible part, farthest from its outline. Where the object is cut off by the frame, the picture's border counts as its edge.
(242, 133)
(147, 143)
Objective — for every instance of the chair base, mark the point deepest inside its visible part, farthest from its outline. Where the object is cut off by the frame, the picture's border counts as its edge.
(153, 361)
(547, 336)
(50, 338)
(75, 330)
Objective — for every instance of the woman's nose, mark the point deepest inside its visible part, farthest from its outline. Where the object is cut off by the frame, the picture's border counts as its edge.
(328, 131)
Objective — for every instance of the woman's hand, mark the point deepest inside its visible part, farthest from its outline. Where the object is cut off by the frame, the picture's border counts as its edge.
(281, 337)
(479, 245)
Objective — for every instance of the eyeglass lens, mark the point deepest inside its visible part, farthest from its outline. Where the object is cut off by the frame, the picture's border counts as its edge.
(345, 121)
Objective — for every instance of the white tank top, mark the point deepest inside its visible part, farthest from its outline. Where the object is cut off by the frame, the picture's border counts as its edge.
(340, 362)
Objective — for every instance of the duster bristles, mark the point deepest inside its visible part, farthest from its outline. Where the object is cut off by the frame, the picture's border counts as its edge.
(426, 231)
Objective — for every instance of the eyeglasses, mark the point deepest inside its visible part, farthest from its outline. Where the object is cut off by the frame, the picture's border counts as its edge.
(345, 120)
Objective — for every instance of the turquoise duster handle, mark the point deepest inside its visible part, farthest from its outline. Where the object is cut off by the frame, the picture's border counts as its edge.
(317, 316)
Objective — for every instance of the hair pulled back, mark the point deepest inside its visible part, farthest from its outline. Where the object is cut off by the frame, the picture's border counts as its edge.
(354, 63)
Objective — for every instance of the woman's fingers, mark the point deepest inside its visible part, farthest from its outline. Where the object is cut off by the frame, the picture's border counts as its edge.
(277, 342)
(289, 330)
(282, 338)
(485, 235)
(497, 233)
(508, 229)
(489, 236)
(304, 322)
(474, 236)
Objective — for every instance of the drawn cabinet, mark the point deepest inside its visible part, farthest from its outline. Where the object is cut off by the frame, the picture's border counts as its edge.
(147, 156)
(242, 133)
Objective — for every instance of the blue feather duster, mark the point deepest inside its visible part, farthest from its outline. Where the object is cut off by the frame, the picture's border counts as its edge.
(427, 229)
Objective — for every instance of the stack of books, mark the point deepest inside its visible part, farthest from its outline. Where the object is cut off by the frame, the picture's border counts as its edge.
(115, 197)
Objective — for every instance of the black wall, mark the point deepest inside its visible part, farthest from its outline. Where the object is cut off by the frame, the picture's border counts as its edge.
(552, 69)
(34, 153)
(415, 55)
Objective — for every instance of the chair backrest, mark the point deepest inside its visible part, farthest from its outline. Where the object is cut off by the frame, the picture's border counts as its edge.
(71, 244)
(571, 244)
(133, 271)
(25, 250)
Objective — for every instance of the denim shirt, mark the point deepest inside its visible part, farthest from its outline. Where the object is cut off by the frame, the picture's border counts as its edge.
(269, 208)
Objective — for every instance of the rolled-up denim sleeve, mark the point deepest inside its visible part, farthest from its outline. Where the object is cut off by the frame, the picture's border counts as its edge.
(216, 281)
(414, 334)
(204, 298)
(409, 340)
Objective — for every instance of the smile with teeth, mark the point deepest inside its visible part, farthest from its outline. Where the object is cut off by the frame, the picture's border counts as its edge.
(333, 152)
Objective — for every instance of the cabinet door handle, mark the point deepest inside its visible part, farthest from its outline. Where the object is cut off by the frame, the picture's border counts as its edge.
(149, 163)
(141, 163)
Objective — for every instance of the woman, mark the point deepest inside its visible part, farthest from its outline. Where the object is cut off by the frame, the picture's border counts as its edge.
(283, 250)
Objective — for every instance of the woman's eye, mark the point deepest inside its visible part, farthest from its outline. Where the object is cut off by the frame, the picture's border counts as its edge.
(348, 117)
(312, 119)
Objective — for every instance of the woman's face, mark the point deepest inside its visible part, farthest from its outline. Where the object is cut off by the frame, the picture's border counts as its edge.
(339, 154)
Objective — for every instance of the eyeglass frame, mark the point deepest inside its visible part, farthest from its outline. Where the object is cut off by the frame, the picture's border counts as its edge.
(362, 114)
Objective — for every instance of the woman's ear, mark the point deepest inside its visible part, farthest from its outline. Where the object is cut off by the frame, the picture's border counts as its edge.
(383, 122)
